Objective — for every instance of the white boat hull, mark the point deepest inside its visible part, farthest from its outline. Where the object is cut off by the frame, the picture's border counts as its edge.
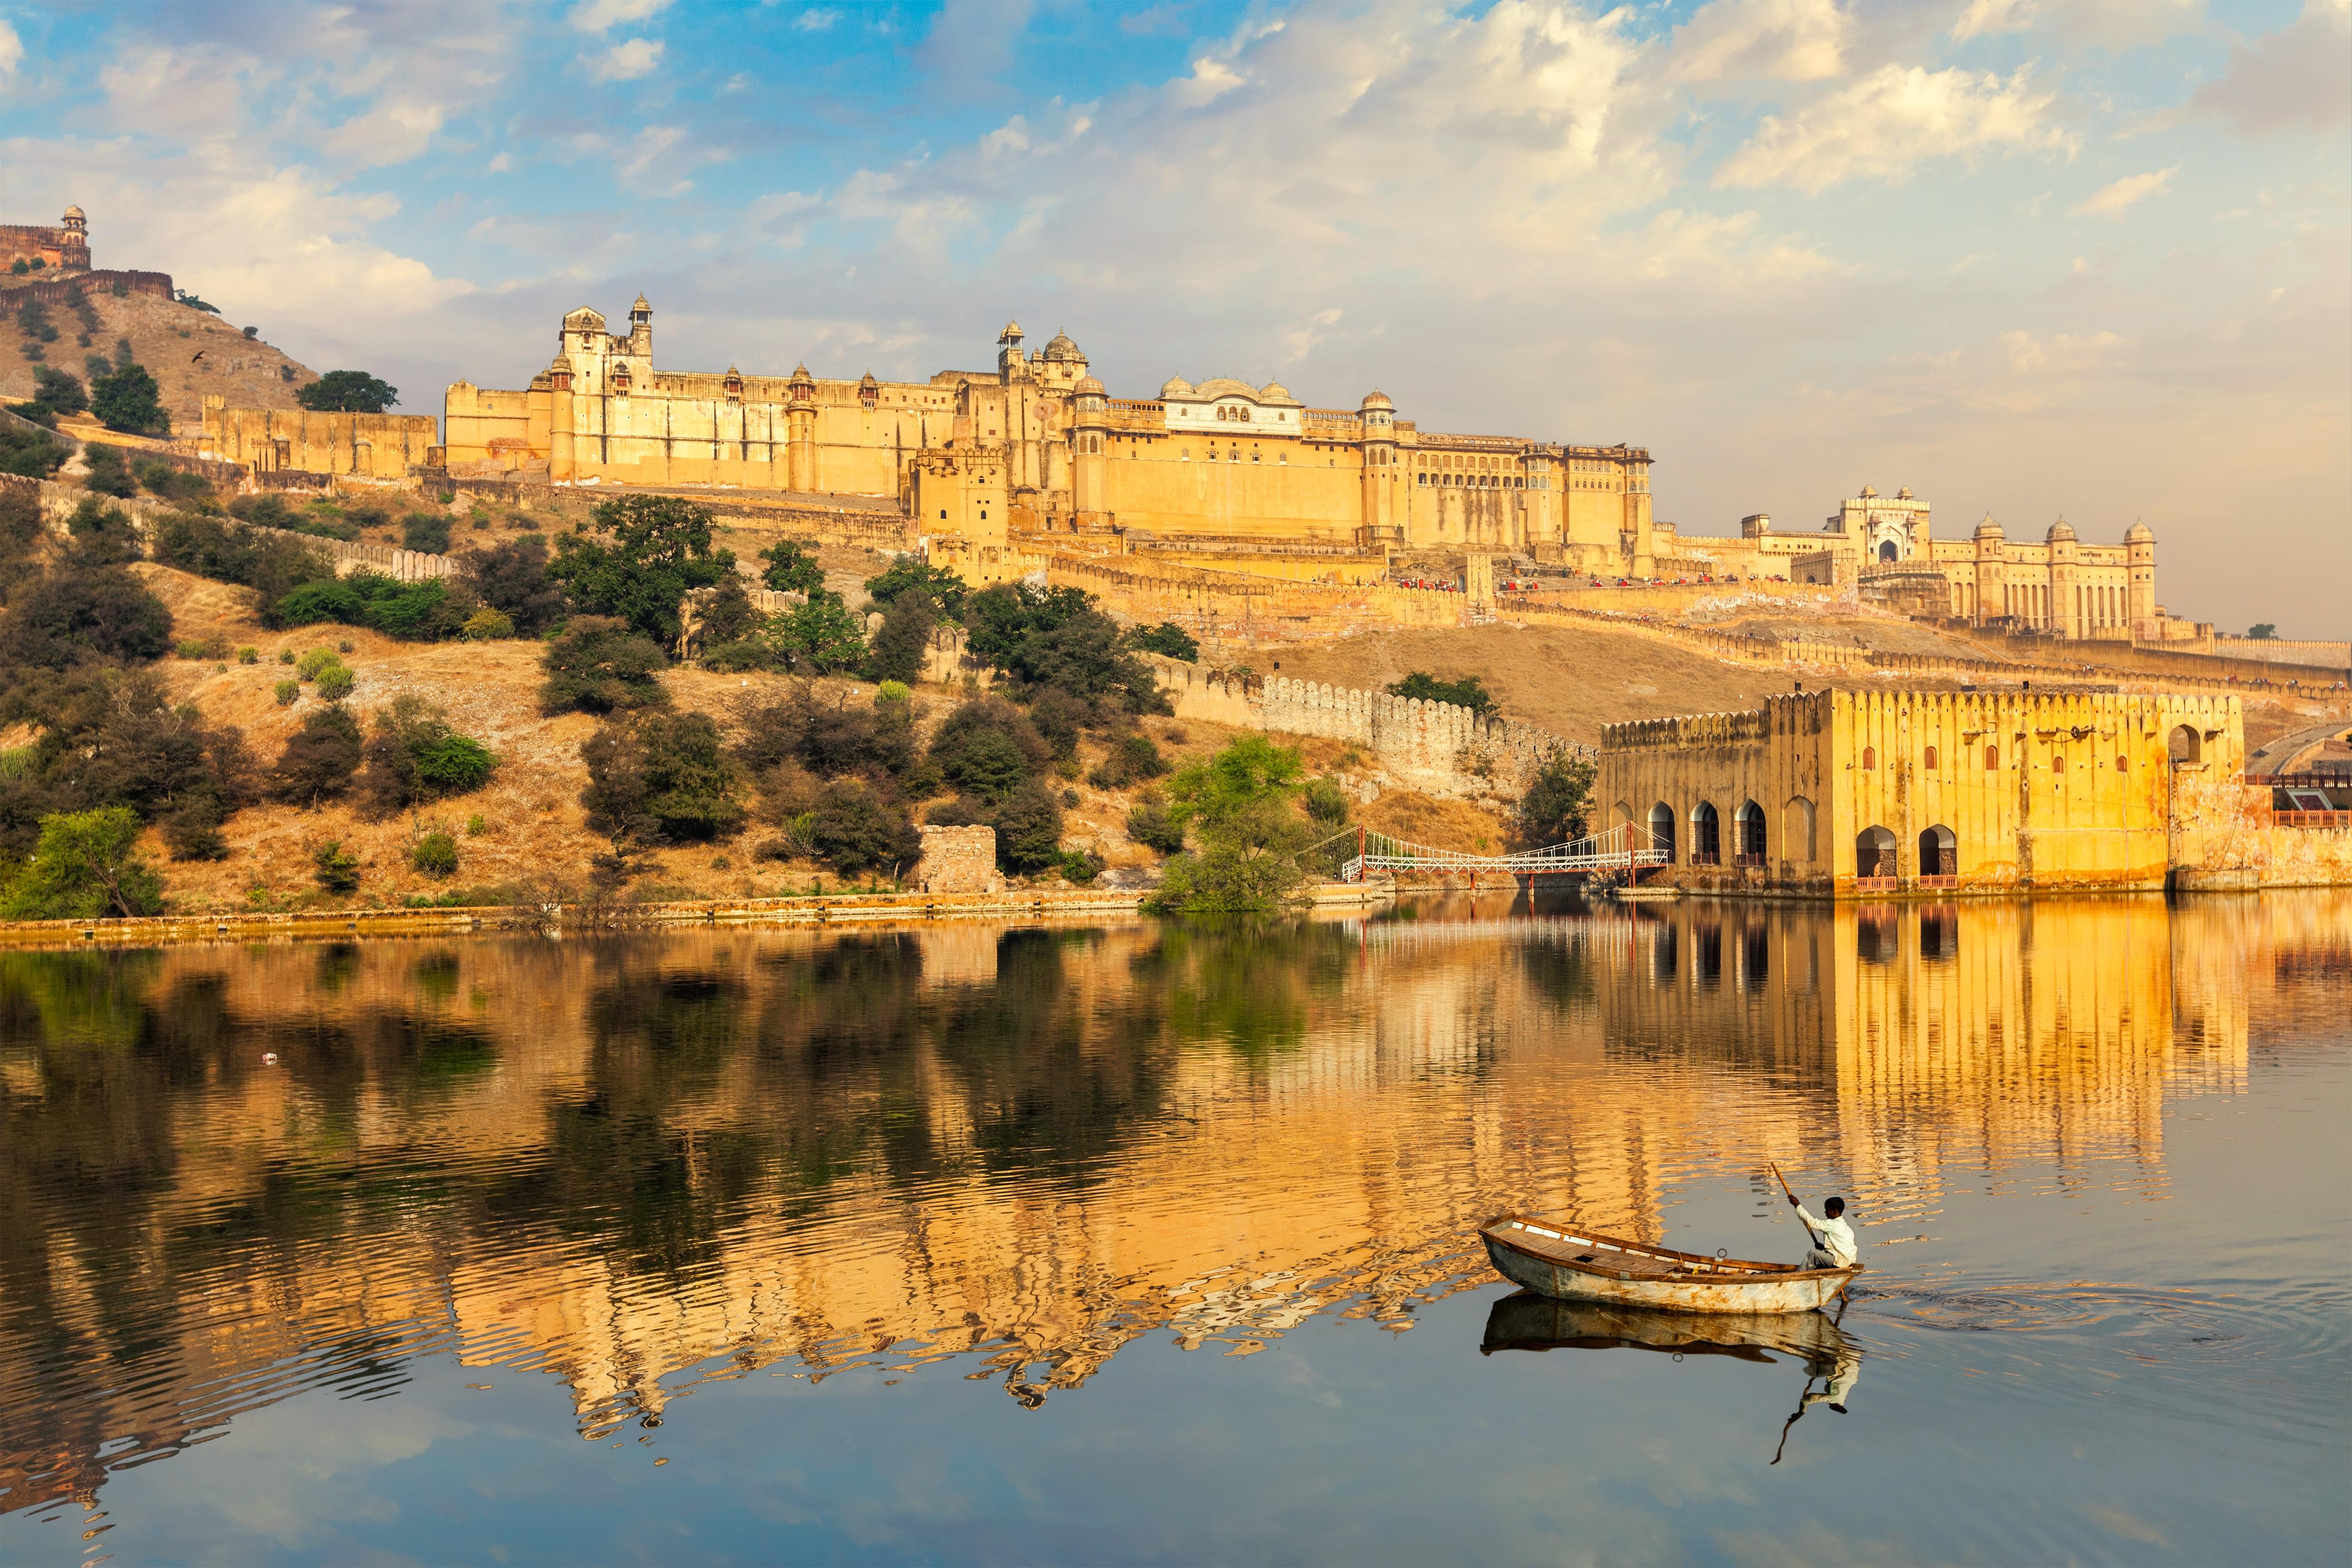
(1789, 1290)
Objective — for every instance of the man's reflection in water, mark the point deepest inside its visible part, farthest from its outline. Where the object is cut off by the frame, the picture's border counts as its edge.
(1526, 1321)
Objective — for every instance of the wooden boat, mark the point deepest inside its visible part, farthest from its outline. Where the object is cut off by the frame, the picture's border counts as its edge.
(1527, 1320)
(1585, 1266)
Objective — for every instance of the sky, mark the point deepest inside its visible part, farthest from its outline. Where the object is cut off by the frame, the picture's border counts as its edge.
(2032, 259)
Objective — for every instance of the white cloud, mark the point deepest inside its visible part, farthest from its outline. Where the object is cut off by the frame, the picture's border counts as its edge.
(2113, 201)
(2297, 79)
(1889, 122)
(649, 170)
(12, 48)
(603, 16)
(2107, 23)
(394, 131)
(814, 21)
(1760, 40)
(625, 62)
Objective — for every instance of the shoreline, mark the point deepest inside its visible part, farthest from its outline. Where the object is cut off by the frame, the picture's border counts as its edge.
(823, 909)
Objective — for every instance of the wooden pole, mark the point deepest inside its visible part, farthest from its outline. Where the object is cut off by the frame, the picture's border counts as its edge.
(1792, 1198)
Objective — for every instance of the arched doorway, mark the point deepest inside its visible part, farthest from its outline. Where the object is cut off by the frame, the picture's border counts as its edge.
(1662, 830)
(1707, 836)
(2185, 746)
(1940, 852)
(1873, 852)
(1887, 549)
(1797, 829)
(1749, 844)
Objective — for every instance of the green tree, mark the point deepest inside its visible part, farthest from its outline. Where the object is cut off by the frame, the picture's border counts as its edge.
(347, 392)
(822, 636)
(1239, 808)
(855, 828)
(1469, 692)
(58, 390)
(414, 757)
(600, 665)
(2263, 631)
(791, 568)
(1169, 640)
(1557, 803)
(320, 758)
(645, 553)
(903, 642)
(909, 574)
(129, 400)
(662, 776)
(85, 868)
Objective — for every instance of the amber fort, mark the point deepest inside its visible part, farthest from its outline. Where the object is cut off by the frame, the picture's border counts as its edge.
(994, 469)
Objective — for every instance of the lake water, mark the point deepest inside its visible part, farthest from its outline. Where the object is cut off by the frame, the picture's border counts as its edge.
(1151, 1244)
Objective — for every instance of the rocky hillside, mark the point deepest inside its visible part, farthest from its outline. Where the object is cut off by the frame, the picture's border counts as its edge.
(531, 820)
(190, 352)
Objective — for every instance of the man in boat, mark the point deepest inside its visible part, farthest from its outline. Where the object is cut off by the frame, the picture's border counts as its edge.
(1833, 1236)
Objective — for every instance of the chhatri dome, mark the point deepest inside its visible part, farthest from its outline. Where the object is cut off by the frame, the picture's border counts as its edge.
(1175, 386)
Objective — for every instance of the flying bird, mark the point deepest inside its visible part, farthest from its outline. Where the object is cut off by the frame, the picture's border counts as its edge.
(197, 355)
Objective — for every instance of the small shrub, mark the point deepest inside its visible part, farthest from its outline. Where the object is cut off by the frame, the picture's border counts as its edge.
(248, 655)
(344, 646)
(892, 692)
(476, 827)
(312, 662)
(335, 682)
(285, 655)
(487, 625)
(434, 854)
(338, 869)
(1148, 824)
(424, 532)
(191, 648)
(1081, 866)
(288, 692)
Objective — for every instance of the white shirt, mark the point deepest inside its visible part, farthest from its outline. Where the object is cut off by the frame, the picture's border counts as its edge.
(1837, 1237)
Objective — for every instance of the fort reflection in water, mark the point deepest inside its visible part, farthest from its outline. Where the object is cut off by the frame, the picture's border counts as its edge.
(649, 1163)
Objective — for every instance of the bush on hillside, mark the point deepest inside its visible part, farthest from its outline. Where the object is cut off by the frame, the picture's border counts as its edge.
(318, 760)
(74, 614)
(425, 532)
(856, 827)
(657, 777)
(31, 454)
(511, 576)
(414, 757)
(101, 535)
(229, 552)
(903, 644)
(1056, 638)
(600, 665)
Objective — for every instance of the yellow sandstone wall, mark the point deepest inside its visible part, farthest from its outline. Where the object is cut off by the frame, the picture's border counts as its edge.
(371, 445)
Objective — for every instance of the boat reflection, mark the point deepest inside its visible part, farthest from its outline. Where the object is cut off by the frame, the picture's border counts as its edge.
(1527, 1321)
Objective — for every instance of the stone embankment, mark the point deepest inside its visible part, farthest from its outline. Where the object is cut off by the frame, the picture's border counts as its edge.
(866, 909)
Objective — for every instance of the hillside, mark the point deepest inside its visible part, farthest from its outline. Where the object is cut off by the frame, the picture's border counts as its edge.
(190, 352)
(533, 825)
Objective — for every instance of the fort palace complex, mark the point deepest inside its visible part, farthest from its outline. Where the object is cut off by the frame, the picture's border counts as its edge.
(989, 466)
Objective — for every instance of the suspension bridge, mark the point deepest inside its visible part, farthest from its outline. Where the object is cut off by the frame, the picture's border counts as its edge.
(1618, 850)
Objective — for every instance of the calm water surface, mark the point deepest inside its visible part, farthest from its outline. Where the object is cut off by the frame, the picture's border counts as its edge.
(1141, 1244)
